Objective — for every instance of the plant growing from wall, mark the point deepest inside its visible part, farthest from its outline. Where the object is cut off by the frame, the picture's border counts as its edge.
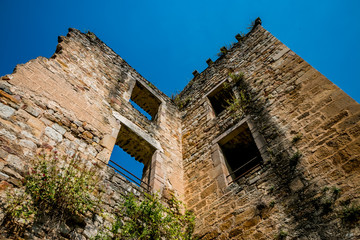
(281, 235)
(243, 100)
(51, 193)
(350, 213)
(296, 138)
(225, 49)
(150, 219)
(91, 35)
(237, 77)
(180, 103)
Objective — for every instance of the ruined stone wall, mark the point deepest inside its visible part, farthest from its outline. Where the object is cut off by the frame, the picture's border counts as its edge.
(77, 102)
(308, 133)
(305, 128)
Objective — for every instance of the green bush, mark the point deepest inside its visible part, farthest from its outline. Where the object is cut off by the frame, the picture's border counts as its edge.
(150, 219)
(351, 213)
(50, 191)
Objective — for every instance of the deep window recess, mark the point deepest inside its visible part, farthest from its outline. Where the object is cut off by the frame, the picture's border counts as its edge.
(221, 98)
(125, 160)
(145, 100)
(142, 111)
(240, 152)
(141, 153)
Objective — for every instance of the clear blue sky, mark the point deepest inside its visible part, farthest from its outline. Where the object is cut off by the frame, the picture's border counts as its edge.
(166, 40)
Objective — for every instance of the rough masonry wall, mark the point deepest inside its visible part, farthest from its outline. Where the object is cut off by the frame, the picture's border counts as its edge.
(76, 102)
(311, 149)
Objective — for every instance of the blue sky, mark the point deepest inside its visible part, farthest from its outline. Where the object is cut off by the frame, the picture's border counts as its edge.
(165, 41)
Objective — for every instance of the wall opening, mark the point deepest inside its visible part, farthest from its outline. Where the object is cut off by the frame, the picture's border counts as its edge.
(221, 97)
(137, 153)
(142, 111)
(146, 100)
(240, 152)
(125, 160)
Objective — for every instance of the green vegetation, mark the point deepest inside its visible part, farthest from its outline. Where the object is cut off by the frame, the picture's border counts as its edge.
(296, 138)
(179, 102)
(237, 77)
(336, 191)
(244, 99)
(350, 213)
(281, 235)
(240, 36)
(294, 159)
(91, 35)
(328, 198)
(150, 219)
(151, 85)
(223, 51)
(52, 192)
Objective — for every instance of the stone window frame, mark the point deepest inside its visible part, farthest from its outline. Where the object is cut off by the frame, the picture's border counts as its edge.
(128, 95)
(153, 172)
(219, 87)
(221, 168)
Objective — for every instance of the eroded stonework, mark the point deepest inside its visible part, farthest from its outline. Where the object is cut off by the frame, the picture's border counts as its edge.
(303, 129)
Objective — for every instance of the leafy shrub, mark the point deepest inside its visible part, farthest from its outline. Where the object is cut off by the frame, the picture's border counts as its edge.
(237, 78)
(150, 219)
(351, 213)
(52, 192)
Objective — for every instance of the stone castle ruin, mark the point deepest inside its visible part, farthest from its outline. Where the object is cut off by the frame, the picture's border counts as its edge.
(259, 145)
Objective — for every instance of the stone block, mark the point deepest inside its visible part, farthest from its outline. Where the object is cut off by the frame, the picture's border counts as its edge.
(15, 162)
(108, 142)
(27, 144)
(353, 165)
(55, 135)
(7, 135)
(104, 155)
(58, 128)
(33, 111)
(250, 223)
(6, 111)
(209, 190)
(296, 185)
(235, 232)
(4, 185)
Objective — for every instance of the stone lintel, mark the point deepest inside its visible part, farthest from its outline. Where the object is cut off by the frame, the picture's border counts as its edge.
(138, 131)
(230, 132)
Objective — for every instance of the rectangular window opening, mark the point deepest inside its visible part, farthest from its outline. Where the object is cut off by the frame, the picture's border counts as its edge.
(142, 111)
(221, 98)
(144, 100)
(121, 158)
(132, 157)
(241, 153)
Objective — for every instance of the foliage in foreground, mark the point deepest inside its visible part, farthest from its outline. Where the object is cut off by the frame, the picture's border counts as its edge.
(54, 190)
(150, 219)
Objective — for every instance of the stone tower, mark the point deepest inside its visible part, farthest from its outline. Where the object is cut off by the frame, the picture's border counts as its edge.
(259, 145)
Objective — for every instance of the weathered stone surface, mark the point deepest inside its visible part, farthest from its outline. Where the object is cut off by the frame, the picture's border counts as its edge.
(305, 129)
(27, 144)
(7, 134)
(108, 142)
(59, 129)
(51, 133)
(296, 110)
(6, 111)
(15, 161)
